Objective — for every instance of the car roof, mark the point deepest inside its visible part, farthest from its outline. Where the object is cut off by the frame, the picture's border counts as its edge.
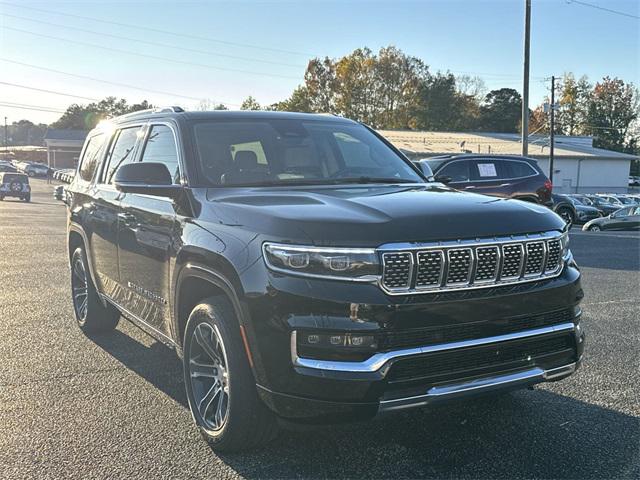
(15, 174)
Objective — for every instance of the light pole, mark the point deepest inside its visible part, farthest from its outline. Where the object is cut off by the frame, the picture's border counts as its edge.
(6, 137)
(525, 82)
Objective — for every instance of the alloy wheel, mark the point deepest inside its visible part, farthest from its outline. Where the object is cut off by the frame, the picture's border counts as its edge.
(80, 288)
(209, 375)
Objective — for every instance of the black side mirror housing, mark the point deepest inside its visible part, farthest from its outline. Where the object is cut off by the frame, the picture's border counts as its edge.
(146, 178)
(443, 179)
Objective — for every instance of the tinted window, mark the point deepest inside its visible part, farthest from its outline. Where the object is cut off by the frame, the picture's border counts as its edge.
(520, 169)
(260, 152)
(161, 148)
(122, 151)
(91, 157)
(458, 171)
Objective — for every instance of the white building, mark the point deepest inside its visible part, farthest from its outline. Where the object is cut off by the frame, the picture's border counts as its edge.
(578, 167)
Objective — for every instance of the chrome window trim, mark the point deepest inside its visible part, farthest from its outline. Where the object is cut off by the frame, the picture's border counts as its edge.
(380, 361)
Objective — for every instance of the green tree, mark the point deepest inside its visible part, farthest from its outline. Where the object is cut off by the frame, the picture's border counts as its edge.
(250, 103)
(612, 115)
(299, 101)
(24, 132)
(501, 111)
(86, 117)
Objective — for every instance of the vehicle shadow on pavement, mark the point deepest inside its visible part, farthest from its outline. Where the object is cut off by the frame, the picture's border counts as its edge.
(526, 434)
(157, 364)
(522, 434)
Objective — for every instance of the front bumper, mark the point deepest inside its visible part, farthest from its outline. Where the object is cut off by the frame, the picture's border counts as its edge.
(315, 390)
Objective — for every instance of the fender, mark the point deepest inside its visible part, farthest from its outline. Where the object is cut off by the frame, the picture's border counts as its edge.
(204, 272)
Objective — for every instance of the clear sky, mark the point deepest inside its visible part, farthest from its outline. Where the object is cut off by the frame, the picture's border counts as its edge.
(226, 51)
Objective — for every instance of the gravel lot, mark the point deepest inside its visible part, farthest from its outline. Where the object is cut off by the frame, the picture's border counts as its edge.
(114, 406)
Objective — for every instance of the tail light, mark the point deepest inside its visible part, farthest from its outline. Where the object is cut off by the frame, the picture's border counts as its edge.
(548, 185)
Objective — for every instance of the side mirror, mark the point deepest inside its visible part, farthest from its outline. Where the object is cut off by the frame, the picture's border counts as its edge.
(146, 178)
(443, 178)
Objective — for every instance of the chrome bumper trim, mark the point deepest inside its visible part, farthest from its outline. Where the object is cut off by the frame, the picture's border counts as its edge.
(380, 362)
(447, 392)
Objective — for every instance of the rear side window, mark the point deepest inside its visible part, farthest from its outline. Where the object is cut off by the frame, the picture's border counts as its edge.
(161, 148)
(520, 169)
(458, 171)
(91, 157)
(122, 151)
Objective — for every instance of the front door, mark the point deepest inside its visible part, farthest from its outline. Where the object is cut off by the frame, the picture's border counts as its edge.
(146, 229)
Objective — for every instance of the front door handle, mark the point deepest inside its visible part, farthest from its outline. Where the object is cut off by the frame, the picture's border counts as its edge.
(469, 187)
(128, 219)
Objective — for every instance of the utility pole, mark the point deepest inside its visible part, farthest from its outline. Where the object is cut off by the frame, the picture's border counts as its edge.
(525, 84)
(6, 137)
(552, 112)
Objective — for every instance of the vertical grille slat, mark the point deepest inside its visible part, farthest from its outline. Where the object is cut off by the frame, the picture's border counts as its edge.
(464, 264)
(430, 268)
(397, 270)
(535, 258)
(487, 264)
(459, 265)
(553, 258)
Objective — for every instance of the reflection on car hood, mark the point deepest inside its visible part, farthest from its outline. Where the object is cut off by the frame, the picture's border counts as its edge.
(373, 215)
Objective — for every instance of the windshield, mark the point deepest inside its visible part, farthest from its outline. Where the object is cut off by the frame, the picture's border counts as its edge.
(260, 152)
(575, 201)
(14, 177)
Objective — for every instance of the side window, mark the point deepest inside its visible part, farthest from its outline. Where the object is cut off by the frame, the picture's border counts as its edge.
(458, 171)
(161, 148)
(520, 169)
(122, 151)
(487, 170)
(91, 157)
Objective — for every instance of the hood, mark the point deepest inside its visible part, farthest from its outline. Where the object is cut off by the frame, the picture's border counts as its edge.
(374, 215)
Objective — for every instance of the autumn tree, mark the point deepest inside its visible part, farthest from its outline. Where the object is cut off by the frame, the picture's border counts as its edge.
(573, 104)
(612, 114)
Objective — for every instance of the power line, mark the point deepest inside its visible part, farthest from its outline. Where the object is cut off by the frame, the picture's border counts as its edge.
(126, 85)
(24, 106)
(154, 57)
(604, 9)
(158, 30)
(156, 44)
(48, 91)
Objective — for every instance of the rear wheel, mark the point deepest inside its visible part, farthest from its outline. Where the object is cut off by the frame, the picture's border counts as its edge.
(91, 314)
(220, 386)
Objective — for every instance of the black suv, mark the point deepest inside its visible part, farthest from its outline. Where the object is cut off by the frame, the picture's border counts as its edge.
(305, 271)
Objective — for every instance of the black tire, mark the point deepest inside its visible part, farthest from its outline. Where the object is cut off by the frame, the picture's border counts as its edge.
(1, 199)
(91, 314)
(567, 215)
(246, 423)
(27, 198)
(595, 228)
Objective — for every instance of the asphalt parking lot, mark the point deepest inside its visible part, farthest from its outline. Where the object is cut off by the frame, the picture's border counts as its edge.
(114, 406)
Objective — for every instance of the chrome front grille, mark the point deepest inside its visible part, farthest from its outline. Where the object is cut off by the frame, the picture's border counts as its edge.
(443, 266)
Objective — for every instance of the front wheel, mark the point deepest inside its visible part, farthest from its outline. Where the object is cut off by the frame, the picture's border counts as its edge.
(220, 386)
(594, 228)
(91, 314)
(567, 216)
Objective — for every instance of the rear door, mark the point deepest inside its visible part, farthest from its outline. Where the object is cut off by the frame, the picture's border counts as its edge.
(105, 207)
(490, 177)
(146, 228)
(621, 220)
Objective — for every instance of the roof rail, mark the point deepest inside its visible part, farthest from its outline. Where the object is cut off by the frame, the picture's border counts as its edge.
(150, 111)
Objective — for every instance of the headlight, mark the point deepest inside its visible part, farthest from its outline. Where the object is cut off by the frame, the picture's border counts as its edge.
(357, 264)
